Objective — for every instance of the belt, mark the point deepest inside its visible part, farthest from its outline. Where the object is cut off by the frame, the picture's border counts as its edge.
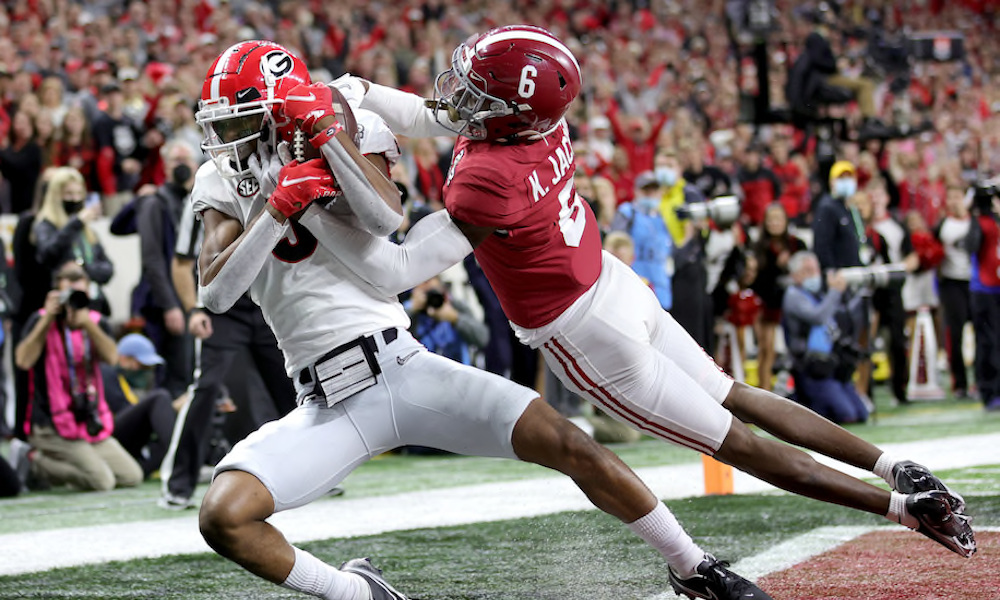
(368, 346)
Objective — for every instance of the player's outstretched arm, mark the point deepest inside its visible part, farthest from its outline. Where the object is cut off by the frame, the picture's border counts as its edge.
(431, 246)
(405, 113)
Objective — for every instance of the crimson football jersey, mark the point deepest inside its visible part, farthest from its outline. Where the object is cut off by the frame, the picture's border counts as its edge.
(546, 251)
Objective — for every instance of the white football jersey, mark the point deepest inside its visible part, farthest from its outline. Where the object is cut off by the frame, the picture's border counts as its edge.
(311, 301)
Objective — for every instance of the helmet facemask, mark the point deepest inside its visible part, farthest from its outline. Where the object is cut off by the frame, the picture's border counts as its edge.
(232, 132)
(459, 92)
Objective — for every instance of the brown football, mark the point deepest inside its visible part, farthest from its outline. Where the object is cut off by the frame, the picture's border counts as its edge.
(302, 150)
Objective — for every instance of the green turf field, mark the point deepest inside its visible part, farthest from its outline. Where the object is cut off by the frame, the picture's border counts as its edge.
(576, 554)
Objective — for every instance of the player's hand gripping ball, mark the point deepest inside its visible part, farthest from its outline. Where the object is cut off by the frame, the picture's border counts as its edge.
(299, 184)
(308, 104)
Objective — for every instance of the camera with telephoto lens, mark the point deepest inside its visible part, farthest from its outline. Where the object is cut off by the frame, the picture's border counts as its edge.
(74, 299)
(724, 210)
(878, 276)
(435, 298)
(983, 193)
(85, 411)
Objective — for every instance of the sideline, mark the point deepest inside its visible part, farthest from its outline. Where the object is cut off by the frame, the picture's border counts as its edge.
(345, 517)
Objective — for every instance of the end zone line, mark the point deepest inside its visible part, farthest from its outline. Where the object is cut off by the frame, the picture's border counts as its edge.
(797, 550)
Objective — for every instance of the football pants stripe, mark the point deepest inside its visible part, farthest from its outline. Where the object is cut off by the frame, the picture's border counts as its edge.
(608, 401)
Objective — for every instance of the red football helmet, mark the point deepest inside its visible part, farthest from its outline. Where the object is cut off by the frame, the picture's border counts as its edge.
(510, 81)
(241, 102)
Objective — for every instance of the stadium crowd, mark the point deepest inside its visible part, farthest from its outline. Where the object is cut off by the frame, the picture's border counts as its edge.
(106, 88)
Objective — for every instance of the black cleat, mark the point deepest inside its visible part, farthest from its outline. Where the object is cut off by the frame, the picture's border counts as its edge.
(910, 478)
(713, 581)
(381, 590)
(938, 521)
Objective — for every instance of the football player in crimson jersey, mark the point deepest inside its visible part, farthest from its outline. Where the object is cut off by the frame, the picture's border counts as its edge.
(364, 384)
(510, 193)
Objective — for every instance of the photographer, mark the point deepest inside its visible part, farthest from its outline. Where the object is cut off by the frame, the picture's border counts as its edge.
(983, 244)
(444, 325)
(691, 303)
(71, 424)
(822, 353)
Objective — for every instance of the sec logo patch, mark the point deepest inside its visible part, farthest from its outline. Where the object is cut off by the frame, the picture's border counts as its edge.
(248, 187)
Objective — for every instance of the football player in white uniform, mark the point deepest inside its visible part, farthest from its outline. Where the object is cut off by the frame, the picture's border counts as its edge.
(364, 384)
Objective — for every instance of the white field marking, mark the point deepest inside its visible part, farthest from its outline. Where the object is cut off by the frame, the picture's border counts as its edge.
(348, 517)
(797, 550)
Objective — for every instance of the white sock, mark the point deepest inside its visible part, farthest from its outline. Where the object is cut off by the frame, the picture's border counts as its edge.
(898, 513)
(660, 529)
(883, 468)
(314, 577)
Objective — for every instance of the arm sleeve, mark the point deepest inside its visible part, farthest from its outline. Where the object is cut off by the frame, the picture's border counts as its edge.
(100, 269)
(974, 239)
(405, 113)
(800, 307)
(472, 331)
(149, 218)
(366, 203)
(431, 246)
(53, 244)
(243, 265)
(622, 220)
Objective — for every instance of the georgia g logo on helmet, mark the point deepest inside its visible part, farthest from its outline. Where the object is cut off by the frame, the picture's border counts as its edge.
(277, 63)
(241, 102)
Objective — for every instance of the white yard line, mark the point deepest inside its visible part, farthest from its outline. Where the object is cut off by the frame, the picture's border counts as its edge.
(347, 517)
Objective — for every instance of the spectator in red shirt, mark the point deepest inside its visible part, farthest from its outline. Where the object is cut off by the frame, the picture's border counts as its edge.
(74, 146)
(621, 175)
(119, 150)
(760, 186)
(637, 136)
(794, 181)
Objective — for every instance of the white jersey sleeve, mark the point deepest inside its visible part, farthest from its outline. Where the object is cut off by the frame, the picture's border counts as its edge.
(405, 113)
(375, 136)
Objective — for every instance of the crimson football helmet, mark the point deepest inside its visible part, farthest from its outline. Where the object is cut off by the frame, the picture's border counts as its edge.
(511, 81)
(241, 102)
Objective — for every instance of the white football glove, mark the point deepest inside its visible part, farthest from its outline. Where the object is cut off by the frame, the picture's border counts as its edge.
(265, 168)
(352, 89)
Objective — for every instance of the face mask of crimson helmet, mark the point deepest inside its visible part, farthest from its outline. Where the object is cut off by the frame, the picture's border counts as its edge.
(510, 82)
(241, 102)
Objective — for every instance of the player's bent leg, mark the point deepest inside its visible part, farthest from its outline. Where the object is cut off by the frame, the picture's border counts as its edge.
(543, 437)
(793, 470)
(232, 521)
